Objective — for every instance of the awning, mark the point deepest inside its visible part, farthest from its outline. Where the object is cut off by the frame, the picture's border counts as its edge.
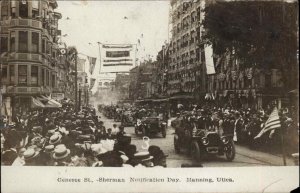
(161, 100)
(44, 102)
(51, 103)
(295, 91)
(36, 103)
(143, 100)
(182, 97)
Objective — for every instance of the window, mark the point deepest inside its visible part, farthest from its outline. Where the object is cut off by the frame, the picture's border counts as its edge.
(47, 78)
(53, 53)
(48, 48)
(43, 77)
(53, 81)
(23, 9)
(4, 10)
(22, 74)
(12, 73)
(4, 74)
(35, 9)
(35, 42)
(4, 44)
(13, 9)
(34, 75)
(43, 46)
(23, 41)
(12, 41)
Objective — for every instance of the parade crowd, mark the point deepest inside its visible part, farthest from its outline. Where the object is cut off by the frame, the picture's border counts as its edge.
(244, 123)
(60, 137)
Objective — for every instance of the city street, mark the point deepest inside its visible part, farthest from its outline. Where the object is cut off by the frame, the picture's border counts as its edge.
(244, 156)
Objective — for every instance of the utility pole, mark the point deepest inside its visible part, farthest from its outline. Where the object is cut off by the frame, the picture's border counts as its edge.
(76, 102)
(99, 44)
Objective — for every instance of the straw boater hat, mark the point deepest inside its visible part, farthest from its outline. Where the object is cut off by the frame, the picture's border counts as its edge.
(52, 131)
(49, 148)
(54, 139)
(143, 156)
(98, 149)
(97, 164)
(29, 154)
(61, 152)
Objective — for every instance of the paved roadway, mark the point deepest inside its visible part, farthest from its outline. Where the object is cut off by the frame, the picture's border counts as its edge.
(244, 156)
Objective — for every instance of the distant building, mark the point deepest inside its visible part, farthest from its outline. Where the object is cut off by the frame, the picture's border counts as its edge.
(122, 83)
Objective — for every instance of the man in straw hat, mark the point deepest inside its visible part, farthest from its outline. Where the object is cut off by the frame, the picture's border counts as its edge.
(61, 155)
(144, 159)
(55, 139)
(31, 157)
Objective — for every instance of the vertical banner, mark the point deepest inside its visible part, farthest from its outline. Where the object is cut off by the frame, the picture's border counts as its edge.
(209, 61)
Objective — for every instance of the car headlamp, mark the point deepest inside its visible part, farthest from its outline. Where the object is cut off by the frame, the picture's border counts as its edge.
(225, 140)
(204, 141)
(139, 122)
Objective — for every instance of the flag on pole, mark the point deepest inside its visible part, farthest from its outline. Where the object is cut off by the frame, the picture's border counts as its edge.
(92, 62)
(271, 124)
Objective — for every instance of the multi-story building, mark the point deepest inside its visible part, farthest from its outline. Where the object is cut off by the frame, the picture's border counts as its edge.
(122, 86)
(29, 51)
(142, 82)
(160, 75)
(231, 82)
(241, 83)
(187, 69)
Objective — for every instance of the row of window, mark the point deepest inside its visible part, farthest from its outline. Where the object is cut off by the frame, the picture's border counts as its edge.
(8, 75)
(22, 40)
(24, 45)
(11, 7)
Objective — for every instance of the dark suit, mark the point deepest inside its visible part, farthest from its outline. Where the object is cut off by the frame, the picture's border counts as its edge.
(8, 157)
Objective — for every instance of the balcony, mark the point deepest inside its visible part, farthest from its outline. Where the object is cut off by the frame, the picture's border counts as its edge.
(22, 23)
(25, 56)
(27, 90)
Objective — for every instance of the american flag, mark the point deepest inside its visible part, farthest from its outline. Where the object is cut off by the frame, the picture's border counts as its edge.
(271, 124)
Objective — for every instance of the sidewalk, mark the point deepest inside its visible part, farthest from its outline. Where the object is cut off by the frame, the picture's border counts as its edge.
(271, 159)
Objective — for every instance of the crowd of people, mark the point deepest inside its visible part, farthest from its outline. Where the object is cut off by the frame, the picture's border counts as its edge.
(246, 124)
(62, 137)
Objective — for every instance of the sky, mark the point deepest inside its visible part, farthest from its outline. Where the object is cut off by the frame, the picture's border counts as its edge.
(103, 21)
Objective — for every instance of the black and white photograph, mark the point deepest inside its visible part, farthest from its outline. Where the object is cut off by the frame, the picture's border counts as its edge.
(149, 84)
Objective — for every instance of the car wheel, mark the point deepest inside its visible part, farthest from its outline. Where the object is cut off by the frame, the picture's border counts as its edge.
(195, 151)
(176, 144)
(230, 151)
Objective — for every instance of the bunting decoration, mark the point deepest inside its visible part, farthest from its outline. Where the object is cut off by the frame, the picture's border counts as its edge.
(234, 75)
(92, 62)
(241, 75)
(249, 73)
